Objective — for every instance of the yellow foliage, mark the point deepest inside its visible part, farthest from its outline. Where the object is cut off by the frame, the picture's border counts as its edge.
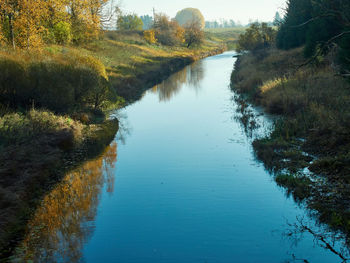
(2, 37)
(64, 211)
(270, 84)
(150, 36)
(180, 34)
(29, 22)
(93, 63)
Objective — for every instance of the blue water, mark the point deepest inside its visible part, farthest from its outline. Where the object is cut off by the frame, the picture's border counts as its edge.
(187, 187)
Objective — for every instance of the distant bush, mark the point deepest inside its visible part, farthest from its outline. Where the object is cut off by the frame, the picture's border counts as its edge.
(257, 36)
(129, 22)
(168, 32)
(150, 36)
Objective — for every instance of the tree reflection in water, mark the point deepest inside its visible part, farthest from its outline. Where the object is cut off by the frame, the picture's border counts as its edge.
(191, 75)
(332, 241)
(65, 219)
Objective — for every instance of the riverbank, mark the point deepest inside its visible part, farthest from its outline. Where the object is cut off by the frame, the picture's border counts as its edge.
(47, 128)
(308, 149)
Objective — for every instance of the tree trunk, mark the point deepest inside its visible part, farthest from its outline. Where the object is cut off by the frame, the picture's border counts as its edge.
(12, 34)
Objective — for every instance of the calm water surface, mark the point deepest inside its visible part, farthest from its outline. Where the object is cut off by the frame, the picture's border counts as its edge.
(179, 184)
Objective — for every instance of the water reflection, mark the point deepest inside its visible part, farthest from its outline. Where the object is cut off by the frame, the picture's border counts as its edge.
(124, 126)
(332, 241)
(65, 220)
(192, 76)
(254, 123)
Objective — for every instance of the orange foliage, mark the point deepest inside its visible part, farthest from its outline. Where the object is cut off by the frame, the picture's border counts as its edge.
(25, 23)
(150, 36)
(61, 217)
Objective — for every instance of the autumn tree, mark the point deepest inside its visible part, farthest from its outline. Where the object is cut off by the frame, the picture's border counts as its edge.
(84, 18)
(30, 23)
(193, 34)
(168, 32)
(22, 22)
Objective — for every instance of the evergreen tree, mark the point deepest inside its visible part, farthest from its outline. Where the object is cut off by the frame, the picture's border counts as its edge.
(147, 21)
(320, 26)
(292, 33)
(277, 20)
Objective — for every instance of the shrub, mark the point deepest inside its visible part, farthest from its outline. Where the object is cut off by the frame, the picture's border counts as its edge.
(61, 83)
(150, 36)
(62, 32)
(17, 128)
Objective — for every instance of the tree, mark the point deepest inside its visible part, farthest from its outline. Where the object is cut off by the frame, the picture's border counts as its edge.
(289, 34)
(188, 16)
(256, 37)
(168, 32)
(193, 34)
(277, 20)
(321, 26)
(85, 18)
(129, 22)
(28, 23)
(147, 21)
(22, 22)
(108, 11)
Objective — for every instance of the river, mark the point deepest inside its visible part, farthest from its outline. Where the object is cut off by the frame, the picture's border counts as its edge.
(180, 183)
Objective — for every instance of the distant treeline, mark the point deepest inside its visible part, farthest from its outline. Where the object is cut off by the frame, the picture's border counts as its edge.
(230, 23)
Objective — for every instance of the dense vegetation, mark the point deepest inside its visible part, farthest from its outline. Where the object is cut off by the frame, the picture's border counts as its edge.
(321, 26)
(257, 36)
(306, 83)
(31, 23)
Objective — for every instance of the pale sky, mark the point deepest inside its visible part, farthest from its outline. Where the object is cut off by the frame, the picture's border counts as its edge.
(242, 10)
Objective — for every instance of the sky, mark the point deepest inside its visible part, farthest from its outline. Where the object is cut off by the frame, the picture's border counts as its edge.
(238, 10)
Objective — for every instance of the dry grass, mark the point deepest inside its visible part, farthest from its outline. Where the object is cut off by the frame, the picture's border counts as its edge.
(313, 131)
(17, 128)
(228, 36)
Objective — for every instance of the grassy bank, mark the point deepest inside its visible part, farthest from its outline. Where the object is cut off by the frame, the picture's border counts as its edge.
(227, 36)
(40, 148)
(312, 132)
(54, 107)
(133, 65)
